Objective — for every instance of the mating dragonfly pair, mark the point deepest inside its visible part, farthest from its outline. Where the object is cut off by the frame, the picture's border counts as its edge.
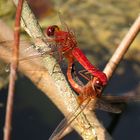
(68, 48)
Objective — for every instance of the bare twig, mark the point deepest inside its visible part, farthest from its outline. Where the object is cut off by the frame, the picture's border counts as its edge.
(13, 69)
(122, 48)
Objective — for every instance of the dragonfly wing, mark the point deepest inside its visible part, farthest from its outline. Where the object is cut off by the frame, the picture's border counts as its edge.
(59, 130)
(105, 106)
(130, 97)
(64, 25)
(26, 54)
(67, 121)
(27, 65)
(25, 47)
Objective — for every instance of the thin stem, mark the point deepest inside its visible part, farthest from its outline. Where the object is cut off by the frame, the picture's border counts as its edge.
(122, 48)
(13, 69)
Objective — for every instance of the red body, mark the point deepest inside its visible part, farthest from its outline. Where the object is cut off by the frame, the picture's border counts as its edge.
(68, 42)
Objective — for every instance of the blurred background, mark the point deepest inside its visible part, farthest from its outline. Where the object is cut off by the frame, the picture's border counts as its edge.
(99, 28)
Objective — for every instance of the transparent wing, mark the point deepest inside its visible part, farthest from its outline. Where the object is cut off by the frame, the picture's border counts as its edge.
(101, 104)
(26, 54)
(64, 25)
(108, 107)
(67, 121)
(122, 99)
(26, 47)
(115, 104)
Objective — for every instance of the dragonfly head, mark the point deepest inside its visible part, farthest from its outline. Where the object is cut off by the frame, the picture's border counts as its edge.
(51, 30)
(97, 84)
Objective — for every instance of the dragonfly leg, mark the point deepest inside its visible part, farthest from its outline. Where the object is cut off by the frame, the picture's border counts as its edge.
(85, 74)
(60, 54)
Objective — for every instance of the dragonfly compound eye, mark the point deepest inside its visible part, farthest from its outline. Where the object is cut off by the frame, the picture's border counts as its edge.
(50, 31)
(98, 85)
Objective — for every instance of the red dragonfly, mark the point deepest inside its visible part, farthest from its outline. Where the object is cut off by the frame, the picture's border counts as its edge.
(90, 97)
(69, 48)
